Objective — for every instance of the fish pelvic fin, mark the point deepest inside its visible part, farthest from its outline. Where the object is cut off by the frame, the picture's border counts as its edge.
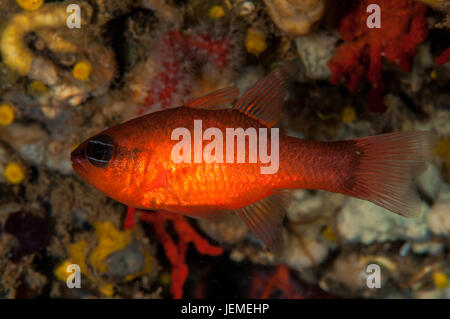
(387, 165)
(265, 219)
(215, 100)
(264, 100)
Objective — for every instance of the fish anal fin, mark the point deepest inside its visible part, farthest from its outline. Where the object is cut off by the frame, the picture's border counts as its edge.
(215, 100)
(264, 100)
(265, 218)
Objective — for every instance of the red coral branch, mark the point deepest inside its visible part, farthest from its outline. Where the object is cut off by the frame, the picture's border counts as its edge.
(175, 252)
(443, 58)
(282, 284)
(279, 280)
(403, 27)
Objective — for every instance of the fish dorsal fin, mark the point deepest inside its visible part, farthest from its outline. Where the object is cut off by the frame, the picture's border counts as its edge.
(215, 100)
(264, 100)
(265, 218)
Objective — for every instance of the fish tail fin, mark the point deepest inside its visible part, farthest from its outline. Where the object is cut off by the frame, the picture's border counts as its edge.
(386, 166)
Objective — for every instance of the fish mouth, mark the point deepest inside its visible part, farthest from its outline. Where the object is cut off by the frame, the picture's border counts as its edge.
(77, 166)
(78, 162)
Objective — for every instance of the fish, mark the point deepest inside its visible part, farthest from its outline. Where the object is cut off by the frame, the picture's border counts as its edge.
(133, 162)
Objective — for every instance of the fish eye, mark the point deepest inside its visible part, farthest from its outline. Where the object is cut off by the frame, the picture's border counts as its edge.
(99, 150)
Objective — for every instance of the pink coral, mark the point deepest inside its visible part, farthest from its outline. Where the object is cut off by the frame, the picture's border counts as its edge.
(178, 53)
(403, 27)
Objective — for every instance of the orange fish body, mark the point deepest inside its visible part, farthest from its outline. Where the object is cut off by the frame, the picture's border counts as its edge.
(133, 163)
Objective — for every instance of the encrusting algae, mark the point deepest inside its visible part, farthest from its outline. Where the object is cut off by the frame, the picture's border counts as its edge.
(30, 5)
(329, 234)
(37, 87)
(6, 114)
(82, 70)
(440, 279)
(110, 239)
(12, 43)
(216, 12)
(296, 17)
(14, 173)
(443, 147)
(61, 272)
(255, 41)
(348, 114)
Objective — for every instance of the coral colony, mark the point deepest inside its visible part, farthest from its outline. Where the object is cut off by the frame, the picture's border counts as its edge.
(404, 27)
(179, 52)
(175, 251)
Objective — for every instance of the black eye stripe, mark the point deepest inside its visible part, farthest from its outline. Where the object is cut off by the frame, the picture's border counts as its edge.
(97, 160)
(100, 142)
(99, 150)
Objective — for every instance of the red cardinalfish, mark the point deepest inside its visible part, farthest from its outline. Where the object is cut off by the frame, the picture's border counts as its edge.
(132, 163)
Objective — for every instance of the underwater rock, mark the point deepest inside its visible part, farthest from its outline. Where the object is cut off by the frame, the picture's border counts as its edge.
(441, 122)
(304, 251)
(432, 294)
(59, 157)
(48, 25)
(436, 4)
(304, 205)
(348, 274)
(430, 181)
(439, 218)
(347, 270)
(315, 50)
(309, 213)
(127, 261)
(228, 231)
(29, 141)
(14, 50)
(364, 222)
(165, 11)
(249, 76)
(296, 17)
(8, 208)
(246, 9)
(432, 248)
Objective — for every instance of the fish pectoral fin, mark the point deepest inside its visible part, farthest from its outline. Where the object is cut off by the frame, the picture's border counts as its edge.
(264, 100)
(265, 218)
(215, 100)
